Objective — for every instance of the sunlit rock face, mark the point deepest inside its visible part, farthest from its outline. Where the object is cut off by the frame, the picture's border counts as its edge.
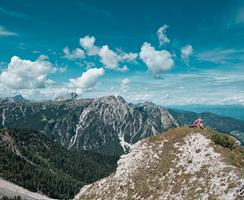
(106, 124)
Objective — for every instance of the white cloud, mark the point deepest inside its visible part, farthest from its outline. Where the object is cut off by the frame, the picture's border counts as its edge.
(50, 82)
(22, 74)
(125, 81)
(109, 58)
(122, 69)
(222, 56)
(4, 32)
(88, 43)
(87, 64)
(54, 68)
(125, 84)
(112, 60)
(128, 57)
(74, 54)
(88, 79)
(162, 37)
(186, 52)
(42, 57)
(156, 61)
(60, 69)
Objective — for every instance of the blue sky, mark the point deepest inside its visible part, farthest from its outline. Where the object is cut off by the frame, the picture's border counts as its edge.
(169, 52)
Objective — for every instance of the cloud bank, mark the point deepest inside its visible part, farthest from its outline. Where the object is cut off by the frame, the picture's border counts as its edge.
(26, 74)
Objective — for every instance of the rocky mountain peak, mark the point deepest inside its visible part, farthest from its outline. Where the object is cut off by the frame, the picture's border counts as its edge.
(110, 99)
(18, 98)
(148, 106)
(181, 164)
(15, 99)
(67, 97)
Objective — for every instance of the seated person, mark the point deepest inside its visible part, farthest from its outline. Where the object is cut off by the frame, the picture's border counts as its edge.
(197, 123)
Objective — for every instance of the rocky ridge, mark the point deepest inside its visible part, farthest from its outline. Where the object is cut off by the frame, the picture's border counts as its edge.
(180, 164)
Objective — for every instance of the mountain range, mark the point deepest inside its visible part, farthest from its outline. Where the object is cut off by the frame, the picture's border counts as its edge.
(107, 125)
(224, 110)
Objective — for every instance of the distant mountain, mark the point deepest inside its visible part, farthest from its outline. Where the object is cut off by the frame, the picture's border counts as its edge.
(30, 160)
(108, 125)
(15, 99)
(223, 124)
(67, 97)
(183, 163)
(235, 111)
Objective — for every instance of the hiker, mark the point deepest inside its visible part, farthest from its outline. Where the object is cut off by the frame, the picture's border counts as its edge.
(197, 123)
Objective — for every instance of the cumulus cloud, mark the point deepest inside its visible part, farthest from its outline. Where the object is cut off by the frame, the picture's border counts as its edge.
(186, 52)
(162, 37)
(88, 79)
(112, 60)
(26, 74)
(109, 58)
(5, 32)
(88, 43)
(74, 54)
(156, 61)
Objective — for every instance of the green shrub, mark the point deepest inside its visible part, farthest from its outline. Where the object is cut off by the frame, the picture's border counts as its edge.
(223, 141)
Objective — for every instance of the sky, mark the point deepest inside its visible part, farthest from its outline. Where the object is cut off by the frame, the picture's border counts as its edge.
(170, 52)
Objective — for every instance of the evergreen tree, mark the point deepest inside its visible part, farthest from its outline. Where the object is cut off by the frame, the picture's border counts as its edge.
(35, 162)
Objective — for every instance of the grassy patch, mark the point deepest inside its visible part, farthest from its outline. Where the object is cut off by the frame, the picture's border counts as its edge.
(223, 141)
